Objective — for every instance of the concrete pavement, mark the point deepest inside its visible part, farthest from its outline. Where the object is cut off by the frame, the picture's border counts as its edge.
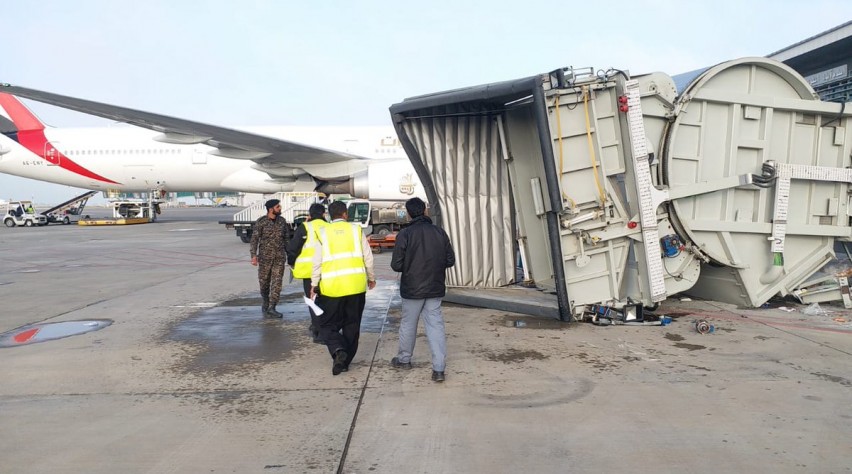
(190, 378)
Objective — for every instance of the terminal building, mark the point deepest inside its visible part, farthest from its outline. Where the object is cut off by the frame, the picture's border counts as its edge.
(825, 60)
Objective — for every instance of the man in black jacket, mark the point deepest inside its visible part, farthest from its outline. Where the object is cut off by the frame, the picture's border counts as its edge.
(422, 253)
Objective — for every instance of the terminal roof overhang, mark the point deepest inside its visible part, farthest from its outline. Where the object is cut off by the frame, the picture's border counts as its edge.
(830, 45)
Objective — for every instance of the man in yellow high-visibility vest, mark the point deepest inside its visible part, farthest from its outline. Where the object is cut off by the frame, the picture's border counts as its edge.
(342, 272)
(300, 255)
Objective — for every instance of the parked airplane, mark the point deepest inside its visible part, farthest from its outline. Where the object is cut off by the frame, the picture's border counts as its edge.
(182, 155)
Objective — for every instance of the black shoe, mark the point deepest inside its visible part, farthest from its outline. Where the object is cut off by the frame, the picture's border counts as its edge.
(396, 364)
(437, 376)
(272, 313)
(339, 362)
(264, 307)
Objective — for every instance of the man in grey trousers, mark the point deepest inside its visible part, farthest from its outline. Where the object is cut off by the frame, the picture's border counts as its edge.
(422, 253)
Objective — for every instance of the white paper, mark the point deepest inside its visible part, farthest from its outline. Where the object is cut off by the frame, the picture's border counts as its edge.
(316, 309)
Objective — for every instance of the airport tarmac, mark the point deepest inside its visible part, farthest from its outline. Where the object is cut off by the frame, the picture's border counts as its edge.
(189, 378)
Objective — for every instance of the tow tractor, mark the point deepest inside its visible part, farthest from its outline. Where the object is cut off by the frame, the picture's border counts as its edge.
(22, 213)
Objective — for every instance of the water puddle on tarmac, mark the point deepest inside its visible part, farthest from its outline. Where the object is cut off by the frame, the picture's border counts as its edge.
(236, 333)
(43, 332)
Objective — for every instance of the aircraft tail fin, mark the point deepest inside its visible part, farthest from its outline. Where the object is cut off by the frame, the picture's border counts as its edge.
(16, 117)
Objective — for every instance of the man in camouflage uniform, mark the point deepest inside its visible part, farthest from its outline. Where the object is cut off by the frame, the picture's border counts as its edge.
(268, 253)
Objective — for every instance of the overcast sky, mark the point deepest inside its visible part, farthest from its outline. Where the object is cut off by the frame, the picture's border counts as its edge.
(344, 63)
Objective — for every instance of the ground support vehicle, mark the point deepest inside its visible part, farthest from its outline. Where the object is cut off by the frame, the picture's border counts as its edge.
(70, 210)
(376, 220)
(379, 243)
(294, 209)
(22, 213)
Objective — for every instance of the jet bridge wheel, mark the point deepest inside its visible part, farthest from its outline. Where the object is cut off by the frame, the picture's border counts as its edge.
(9, 222)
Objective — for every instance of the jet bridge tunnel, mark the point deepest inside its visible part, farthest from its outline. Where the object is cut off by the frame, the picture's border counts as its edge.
(619, 190)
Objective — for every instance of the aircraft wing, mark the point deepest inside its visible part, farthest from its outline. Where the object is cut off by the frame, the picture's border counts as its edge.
(273, 155)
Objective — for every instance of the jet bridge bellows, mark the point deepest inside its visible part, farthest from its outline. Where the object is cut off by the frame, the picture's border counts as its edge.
(619, 190)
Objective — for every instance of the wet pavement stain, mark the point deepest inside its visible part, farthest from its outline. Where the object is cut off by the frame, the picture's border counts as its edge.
(235, 333)
(226, 337)
(557, 391)
(833, 378)
(230, 336)
(674, 337)
(531, 322)
(700, 368)
(514, 356)
(690, 347)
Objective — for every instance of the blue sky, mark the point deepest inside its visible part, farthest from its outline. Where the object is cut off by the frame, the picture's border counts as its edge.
(345, 63)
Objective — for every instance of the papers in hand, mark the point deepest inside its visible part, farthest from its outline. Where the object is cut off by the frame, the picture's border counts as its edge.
(316, 309)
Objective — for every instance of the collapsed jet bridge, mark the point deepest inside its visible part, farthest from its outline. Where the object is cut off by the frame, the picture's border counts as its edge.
(619, 190)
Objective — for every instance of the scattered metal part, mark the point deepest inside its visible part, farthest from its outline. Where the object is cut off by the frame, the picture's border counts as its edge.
(703, 327)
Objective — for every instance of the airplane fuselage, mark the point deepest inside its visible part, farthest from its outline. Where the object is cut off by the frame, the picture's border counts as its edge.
(129, 159)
